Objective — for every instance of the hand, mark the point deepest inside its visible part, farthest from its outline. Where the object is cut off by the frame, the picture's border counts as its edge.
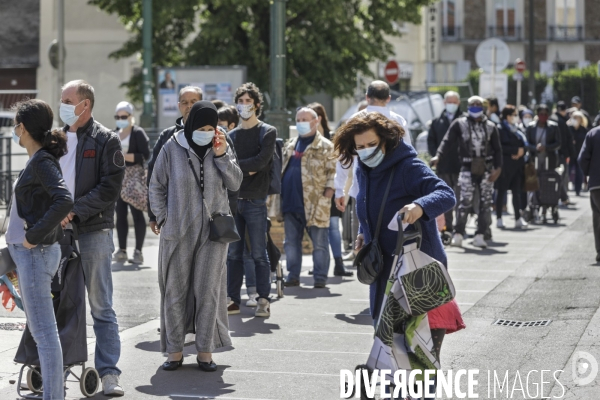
(219, 144)
(251, 173)
(412, 212)
(514, 157)
(154, 227)
(568, 160)
(67, 219)
(360, 241)
(28, 245)
(540, 148)
(329, 192)
(520, 153)
(433, 162)
(495, 174)
(340, 204)
(130, 157)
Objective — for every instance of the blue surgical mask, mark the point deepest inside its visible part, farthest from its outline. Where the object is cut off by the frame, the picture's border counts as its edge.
(451, 108)
(202, 138)
(67, 113)
(16, 138)
(303, 128)
(475, 111)
(372, 162)
(122, 123)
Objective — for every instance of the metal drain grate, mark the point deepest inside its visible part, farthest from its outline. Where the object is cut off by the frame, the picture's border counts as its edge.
(522, 324)
(12, 326)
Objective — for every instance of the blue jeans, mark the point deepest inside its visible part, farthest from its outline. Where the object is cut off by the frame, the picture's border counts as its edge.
(249, 270)
(251, 217)
(294, 225)
(96, 257)
(36, 268)
(335, 237)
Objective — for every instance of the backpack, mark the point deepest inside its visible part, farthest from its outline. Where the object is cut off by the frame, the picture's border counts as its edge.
(277, 164)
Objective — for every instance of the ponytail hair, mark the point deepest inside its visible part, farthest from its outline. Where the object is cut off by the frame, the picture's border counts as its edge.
(36, 116)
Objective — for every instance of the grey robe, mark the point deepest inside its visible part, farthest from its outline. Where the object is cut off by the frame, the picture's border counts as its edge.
(193, 289)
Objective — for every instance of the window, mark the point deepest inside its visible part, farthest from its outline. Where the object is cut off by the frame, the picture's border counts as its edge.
(448, 9)
(566, 13)
(505, 18)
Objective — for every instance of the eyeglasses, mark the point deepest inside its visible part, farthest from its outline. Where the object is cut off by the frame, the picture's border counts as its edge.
(118, 117)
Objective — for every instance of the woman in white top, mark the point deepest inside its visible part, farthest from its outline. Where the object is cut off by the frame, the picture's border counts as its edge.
(135, 147)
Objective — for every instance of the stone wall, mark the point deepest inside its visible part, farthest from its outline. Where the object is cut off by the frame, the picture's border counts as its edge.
(592, 22)
(474, 25)
(539, 18)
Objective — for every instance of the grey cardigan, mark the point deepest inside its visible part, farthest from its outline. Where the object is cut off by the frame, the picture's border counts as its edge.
(175, 197)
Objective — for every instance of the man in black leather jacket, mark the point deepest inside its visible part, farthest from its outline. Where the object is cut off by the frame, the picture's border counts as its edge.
(93, 169)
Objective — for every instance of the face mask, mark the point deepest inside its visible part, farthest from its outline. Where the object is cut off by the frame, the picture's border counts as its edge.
(451, 108)
(303, 128)
(224, 128)
(372, 162)
(475, 111)
(542, 118)
(495, 118)
(246, 110)
(575, 123)
(122, 123)
(527, 120)
(67, 113)
(202, 138)
(16, 138)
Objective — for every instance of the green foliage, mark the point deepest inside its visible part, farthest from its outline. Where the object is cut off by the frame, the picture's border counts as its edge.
(328, 42)
(582, 82)
(540, 85)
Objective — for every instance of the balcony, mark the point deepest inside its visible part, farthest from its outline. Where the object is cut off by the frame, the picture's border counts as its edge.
(451, 34)
(562, 33)
(507, 33)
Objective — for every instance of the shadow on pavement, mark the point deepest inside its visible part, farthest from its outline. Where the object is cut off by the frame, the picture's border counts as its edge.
(308, 292)
(482, 252)
(362, 318)
(188, 381)
(244, 325)
(117, 267)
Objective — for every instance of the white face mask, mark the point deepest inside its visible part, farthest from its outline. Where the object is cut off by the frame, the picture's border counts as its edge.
(451, 107)
(527, 120)
(303, 128)
(67, 113)
(246, 110)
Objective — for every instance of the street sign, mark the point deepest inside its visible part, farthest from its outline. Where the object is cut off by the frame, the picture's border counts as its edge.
(494, 85)
(517, 76)
(391, 72)
(520, 65)
(484, 55)
(53, 54)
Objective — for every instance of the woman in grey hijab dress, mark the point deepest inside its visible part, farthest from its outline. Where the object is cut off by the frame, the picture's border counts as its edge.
(192, 274)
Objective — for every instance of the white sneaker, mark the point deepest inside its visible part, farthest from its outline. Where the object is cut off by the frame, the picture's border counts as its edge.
(263, 309)
(252, 301)
(111, 386)
(478, 241)
(120, 256)
(457, 240)
(521, 224)
(499, 223)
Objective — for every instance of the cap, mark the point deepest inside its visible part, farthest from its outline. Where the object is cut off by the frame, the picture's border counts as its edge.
(561, 105)
(473, 99)
(576, 99)
(125, 106)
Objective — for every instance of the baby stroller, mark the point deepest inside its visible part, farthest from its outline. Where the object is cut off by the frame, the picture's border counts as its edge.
(68, 291)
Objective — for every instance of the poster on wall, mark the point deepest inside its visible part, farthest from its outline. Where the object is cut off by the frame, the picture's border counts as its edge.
(169, 104)
(167, 81)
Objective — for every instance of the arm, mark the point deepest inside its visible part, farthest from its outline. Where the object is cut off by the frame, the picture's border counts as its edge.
(433, 195)
(497, 148)
(530, 144)
(142, 146)
(264, 157)
(329, 165)
(158, 190)
(230, 170)
(107, 191)
(431, 140)
(555, 144)
(585, 157)
(62, 203)
(341, 176)
(450, 139)
(507, 146)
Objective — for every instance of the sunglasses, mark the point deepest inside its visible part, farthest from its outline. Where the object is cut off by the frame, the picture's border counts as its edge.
(117, 117)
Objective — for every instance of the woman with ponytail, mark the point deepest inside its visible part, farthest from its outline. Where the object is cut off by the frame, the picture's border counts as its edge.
(39, 203)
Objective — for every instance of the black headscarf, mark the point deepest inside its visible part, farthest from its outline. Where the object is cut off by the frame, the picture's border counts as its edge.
(202, 113)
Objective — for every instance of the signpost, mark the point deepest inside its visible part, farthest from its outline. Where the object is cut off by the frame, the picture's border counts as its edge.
(492, 56)
(520, 67)
(391, 72)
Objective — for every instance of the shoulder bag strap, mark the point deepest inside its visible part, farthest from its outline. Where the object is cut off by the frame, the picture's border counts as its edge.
(198, 182)
(385, 196)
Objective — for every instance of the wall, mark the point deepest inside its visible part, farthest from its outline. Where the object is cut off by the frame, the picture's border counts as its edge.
(474, 27)
(90, 36)
(592, 21)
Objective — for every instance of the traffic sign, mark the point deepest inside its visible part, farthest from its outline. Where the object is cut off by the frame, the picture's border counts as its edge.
(391, 72)
(520, 65)
(484, 55)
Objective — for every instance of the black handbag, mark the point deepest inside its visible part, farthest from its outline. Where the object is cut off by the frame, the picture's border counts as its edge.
(369, 260)
(222, 226)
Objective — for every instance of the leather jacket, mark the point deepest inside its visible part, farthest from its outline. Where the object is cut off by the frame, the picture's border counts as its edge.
(43, 199)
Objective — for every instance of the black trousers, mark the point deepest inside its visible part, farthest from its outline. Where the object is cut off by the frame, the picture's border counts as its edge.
(510, 179)
(595, 201)
(139, 223)
(452, 181)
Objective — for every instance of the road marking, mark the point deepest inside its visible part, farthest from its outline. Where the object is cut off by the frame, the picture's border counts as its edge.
(477, 280)
(279, 373)
(350, 313)
(204, 396)
(316, 351)
(338, 333)
(361, 300)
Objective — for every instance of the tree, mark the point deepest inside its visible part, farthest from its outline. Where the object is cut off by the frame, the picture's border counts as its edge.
(328, 42)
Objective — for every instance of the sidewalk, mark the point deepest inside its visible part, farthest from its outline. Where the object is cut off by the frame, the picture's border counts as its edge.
(545, 273)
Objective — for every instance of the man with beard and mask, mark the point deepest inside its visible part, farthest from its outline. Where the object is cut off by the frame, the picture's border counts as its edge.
(448, 170)
(480, 154)
(254, 142)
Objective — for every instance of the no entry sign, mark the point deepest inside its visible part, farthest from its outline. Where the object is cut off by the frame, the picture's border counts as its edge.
(520, 65)
(391, 72)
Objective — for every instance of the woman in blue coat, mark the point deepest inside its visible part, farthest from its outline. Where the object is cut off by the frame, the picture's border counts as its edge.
(416, 191)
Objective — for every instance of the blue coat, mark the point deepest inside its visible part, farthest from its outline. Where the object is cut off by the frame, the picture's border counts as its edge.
(414, 182)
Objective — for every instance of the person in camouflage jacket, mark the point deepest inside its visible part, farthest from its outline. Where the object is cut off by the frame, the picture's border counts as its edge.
(306, 192)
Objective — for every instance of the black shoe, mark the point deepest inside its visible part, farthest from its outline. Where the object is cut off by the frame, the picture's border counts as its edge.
(207, 366)
(340, 270)
(172, 365)
(598, 257)
(310, 271)
(320, 285)
(292, 282)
